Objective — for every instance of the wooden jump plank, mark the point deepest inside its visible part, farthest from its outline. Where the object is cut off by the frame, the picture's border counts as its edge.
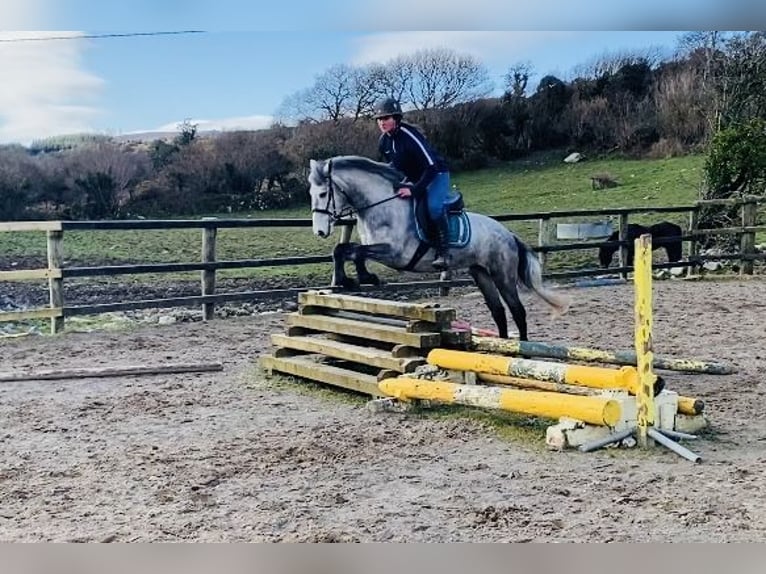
(421, 311)
(115, 371)
(30, 226)
(23, 274)
(340, 350)
(364, 330)
(308, 369)
(409, 325)
(30, 314)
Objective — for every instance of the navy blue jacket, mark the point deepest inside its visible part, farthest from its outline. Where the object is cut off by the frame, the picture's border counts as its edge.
(408, 151)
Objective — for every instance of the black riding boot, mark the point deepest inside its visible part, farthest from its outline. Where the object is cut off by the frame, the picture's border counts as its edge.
(442, 260)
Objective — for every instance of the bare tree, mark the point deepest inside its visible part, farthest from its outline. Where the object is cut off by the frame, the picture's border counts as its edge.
(428, 79)
(708, 40)
(99, 179)
(341, 91)
(442, 78)
(681, 106)
(517, 106)
(516, 80)
(609, 63)
(704, 52)
(366, 91)
(394, 78)
(743, 81)
(297, 108)
(333, 91)
(125, 166)
(20, 182)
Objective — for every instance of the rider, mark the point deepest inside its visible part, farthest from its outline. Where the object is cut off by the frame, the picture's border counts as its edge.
(407, 150)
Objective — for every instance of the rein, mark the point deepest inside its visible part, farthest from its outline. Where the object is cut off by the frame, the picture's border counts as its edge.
(346, 211)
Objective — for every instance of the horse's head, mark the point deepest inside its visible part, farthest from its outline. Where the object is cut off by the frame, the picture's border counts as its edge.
(349, 185)
(327, 204)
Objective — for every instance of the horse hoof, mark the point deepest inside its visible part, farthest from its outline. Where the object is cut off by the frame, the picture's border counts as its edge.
(349, 284)
(369, 279)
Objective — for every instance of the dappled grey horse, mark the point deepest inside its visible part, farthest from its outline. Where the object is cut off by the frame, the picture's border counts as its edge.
(497, 259)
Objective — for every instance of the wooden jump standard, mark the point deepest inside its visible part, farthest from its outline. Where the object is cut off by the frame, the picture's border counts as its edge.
(645, 430)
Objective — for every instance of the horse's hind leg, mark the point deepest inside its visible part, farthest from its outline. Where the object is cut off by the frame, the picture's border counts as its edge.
(510, 295)
(491, 297)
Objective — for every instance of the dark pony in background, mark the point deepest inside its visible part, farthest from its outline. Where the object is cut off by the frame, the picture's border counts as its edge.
(497, 260)
(664, 234)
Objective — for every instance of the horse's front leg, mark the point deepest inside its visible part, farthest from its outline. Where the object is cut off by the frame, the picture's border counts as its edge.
(340, 254)
(364, 252)
(359, 254)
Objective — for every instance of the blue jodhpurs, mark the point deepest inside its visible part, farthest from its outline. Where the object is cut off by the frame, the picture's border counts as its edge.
(437, 194)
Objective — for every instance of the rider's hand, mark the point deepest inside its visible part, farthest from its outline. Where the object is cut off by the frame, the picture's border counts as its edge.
(404, 192)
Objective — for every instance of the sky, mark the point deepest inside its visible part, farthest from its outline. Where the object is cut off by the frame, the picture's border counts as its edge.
(249, 56)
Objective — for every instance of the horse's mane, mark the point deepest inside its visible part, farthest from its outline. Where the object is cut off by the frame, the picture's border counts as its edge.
(391, 174)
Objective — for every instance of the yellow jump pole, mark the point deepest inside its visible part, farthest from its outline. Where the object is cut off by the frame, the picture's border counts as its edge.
(559, 373)
(582, 375)
(593, 410)
(536, 385)
(690, 405)
(541, 350)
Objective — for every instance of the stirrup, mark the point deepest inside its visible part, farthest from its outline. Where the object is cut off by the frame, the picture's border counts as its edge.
(441, 262)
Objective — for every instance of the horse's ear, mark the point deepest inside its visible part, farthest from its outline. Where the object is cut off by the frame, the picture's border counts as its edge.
(312, 164)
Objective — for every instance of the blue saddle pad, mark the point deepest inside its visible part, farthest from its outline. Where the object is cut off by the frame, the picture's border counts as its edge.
(459, 229)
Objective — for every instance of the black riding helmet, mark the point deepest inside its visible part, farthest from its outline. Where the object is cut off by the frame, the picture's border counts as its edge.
(388, 107)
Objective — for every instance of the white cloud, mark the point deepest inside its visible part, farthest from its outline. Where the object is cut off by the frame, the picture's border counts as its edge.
(224, 124)
(23, 14)
(45, 90)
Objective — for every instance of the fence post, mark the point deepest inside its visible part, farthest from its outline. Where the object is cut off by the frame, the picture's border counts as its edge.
(623, 236)
(56, 285)
(208, 275)
(544, 238)
(747, 241)
(444, 276)
(694, 248)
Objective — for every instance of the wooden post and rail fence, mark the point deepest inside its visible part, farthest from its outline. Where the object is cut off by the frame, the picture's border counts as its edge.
(56, 271)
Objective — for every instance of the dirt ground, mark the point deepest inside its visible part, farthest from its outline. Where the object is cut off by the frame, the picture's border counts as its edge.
(234, 456)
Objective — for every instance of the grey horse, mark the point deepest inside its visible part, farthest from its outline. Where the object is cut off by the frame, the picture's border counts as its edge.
(497, 260)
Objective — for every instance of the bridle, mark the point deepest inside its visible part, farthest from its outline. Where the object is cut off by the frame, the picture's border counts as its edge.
(330, 208)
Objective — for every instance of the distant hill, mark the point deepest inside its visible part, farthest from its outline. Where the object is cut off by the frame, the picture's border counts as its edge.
(165, 136)
(69, 141)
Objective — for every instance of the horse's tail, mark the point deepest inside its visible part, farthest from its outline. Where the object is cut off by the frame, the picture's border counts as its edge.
(531, 277)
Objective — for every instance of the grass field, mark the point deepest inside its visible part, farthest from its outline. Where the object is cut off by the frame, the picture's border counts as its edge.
(539, 183)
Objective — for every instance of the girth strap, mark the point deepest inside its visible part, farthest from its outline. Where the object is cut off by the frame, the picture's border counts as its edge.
(417, 256)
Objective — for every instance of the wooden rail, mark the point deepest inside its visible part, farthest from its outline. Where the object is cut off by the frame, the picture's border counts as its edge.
(56, 272)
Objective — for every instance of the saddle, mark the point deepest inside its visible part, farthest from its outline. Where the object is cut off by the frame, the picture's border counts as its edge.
(459, 226)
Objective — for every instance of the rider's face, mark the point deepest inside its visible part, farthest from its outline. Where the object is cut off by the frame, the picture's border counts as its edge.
(387, 124)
